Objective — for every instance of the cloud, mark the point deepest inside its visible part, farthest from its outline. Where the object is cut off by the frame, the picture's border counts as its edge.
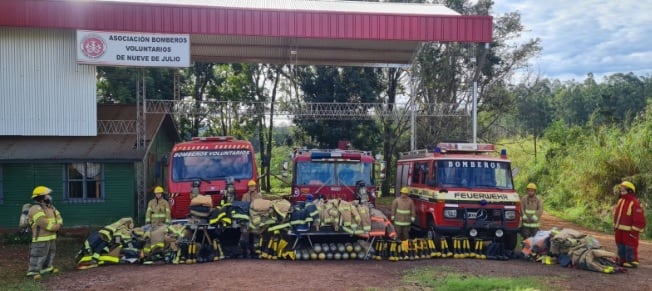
(581, 37)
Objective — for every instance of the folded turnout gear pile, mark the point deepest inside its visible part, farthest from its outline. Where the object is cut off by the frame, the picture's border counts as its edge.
(570, 248)
(268, 215)
(230, 214)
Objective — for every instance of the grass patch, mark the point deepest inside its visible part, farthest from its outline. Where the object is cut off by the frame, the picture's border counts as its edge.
(443, 278)
(16, 255)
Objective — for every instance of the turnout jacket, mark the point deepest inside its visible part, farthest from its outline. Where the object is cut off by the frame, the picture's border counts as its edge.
(251, 196)
(45, 221)
(629, 215)
(158, 212)
(403, 212)
(532, 207)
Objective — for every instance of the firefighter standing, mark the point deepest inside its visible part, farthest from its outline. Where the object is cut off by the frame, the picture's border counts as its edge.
(158, 209)
(403, 214)
(45, 221)
(252, 194)
(246, 237)
(629, 223)
(532, 207)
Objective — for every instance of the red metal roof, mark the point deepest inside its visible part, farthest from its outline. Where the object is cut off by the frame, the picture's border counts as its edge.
(320, 34)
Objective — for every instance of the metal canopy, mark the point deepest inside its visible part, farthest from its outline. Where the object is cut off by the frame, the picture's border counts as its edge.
(343, 33)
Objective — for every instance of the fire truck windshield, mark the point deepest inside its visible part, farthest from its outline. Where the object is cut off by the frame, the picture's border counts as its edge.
(329, 173)
(211, 165)
(474, 174)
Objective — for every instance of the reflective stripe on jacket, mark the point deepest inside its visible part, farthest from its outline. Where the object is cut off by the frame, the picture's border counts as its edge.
(403, 211)
(629, 215)
(532, 207)
(45, 222)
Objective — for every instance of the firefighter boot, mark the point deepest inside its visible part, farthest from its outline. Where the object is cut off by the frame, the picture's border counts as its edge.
(448, 251)
(456, 248)
(467, 248)
(434, 252)
(409, 249)
(393, 251)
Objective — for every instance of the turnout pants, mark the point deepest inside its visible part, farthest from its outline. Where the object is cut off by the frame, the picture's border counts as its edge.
(41, 256)
(627, 244)
(402, 232)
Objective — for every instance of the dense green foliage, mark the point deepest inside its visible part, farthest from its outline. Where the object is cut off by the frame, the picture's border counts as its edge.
(578, 173)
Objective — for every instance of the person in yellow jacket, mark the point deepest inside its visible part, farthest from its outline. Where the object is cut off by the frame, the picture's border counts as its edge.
(252, 193)
(532, 209)
(247, 238)
(45, 221)
(158, 209)
(403, 214)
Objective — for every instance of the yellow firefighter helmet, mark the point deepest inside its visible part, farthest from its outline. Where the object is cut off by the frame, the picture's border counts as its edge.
(251, 183)
(404, 190)
(158, 189)
(41, 191)
(531, 186)
(628, 185)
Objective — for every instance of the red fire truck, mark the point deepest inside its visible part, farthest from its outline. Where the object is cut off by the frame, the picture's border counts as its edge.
(461, 189)
(333, 173)
(209, 165)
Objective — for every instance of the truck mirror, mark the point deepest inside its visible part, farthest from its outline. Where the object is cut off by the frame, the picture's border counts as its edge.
(284, 174)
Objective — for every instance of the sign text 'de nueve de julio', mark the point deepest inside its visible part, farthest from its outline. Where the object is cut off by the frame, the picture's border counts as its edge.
(133, 49)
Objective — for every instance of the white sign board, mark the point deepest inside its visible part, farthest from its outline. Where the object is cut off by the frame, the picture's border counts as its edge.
(133, 49)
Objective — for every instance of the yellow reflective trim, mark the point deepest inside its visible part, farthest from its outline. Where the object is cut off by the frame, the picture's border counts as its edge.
(629, 208)
(38, 215)
(624, 227)
(44, 238)
(403, 211)
(110, 259)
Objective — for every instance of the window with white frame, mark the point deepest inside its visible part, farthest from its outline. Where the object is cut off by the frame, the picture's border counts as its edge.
(84, 182)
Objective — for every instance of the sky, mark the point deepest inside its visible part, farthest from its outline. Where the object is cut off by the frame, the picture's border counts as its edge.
(602, 37)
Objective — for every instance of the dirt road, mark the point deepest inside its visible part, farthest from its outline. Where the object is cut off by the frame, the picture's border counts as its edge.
(344, 275)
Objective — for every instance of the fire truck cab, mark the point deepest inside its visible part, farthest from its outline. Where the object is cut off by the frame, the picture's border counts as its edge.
(211, 166)
(333, 173)
(461, 189)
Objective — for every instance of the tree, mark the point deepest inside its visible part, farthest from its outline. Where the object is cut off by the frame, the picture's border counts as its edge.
(446, 73)
(322, 84)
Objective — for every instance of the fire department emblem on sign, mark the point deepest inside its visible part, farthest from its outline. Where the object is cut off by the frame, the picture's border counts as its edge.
(93, 46)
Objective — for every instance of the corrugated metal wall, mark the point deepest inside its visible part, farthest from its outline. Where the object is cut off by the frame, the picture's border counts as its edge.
(43, 91)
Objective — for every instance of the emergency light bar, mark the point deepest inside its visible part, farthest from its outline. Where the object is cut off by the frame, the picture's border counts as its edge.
(213, 138)
(466, 147)
(330, 155)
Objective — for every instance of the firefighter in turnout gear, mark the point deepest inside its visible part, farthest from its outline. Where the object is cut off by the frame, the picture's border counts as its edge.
(403, 214)
(252, 194)
(629, 223)
(158, 209)
(45, 221)
(247, 239)
(532, 207)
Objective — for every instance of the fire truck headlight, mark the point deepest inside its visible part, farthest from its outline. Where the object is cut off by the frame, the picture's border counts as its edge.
(510, 214)
(499, 233)
(296, 192)
(450, 213)
(473, 232)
